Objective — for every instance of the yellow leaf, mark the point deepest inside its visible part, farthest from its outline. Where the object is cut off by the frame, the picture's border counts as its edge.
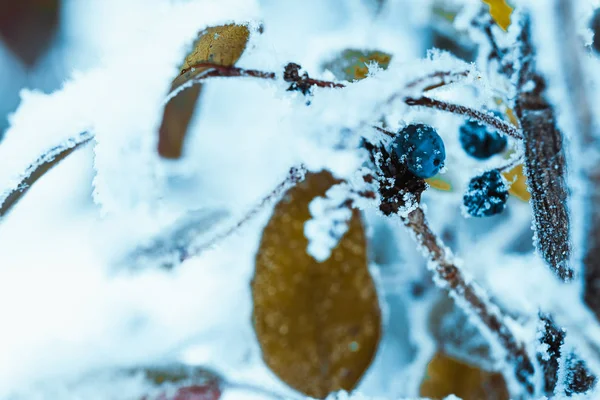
(500, 12)
(518, 183)
(353, 64)
(318, 324)
(439, 183)
(221, 45)
(446, 376)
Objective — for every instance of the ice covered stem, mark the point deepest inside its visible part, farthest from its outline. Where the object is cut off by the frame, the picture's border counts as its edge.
(479, 116)
(11, 196)
(544, 161)
(472, 298)
(295, 175)
(563, 370)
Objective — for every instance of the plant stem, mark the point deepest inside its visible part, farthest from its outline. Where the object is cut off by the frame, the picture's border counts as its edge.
(295, 175)
(52, 157)
(480, 116)
(545, 163)
(471, 298)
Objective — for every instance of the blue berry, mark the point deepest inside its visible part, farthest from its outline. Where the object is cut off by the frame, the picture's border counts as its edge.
(479, 141)
(421, 149)
(486, 195)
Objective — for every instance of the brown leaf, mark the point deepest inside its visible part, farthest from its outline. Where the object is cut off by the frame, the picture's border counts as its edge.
(28, 27)
(352, 64)
(446, 376)
(177, 116)
(221, 45)
(318, 324)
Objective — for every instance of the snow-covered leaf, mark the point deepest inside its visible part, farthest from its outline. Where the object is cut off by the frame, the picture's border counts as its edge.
(318, 324)
(500, 11)
(222, 45)
(352, 64)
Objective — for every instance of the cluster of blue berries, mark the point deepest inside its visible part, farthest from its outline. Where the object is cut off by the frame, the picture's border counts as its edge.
(421, 149)
(487, 193)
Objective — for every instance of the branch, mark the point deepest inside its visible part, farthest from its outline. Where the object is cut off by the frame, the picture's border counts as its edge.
(446, 77)
(295, 176)
(471, 298)
(179, 242)
(545, 163)
(199, 72)
(482, 117)
(10, 197)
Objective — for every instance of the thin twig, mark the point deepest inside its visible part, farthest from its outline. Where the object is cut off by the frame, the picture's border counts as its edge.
(295, 175)
(384, 131)
(512, 163)
(215, 70)
(52, 157)
(446, 77)
(202, 71)
(304, 82)
(482, 117)
(471, 297)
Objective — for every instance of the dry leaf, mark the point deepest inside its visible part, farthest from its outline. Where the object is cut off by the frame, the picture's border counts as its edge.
(500, 12)
(446, 376)
(318, 324)
(221, 45)
(353, 64)
(518, 183)
(439, 183)
(28, 27)
(177, 116)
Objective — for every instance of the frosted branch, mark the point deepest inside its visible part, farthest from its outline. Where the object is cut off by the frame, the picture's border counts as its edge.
(479, 116)
(295, 175)
(545, 163)
(52, 157)
(471, 297)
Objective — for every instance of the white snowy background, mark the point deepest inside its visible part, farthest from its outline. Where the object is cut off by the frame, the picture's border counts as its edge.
(68, 306)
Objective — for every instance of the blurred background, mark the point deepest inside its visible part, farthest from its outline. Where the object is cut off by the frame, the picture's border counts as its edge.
(41, 43)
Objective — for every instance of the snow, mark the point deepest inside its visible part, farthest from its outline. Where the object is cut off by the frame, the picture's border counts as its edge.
(95, 276)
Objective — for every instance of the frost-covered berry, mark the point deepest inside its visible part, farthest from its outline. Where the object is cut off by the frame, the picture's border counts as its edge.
(486, 195)
(479, 141)
(421, 149)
